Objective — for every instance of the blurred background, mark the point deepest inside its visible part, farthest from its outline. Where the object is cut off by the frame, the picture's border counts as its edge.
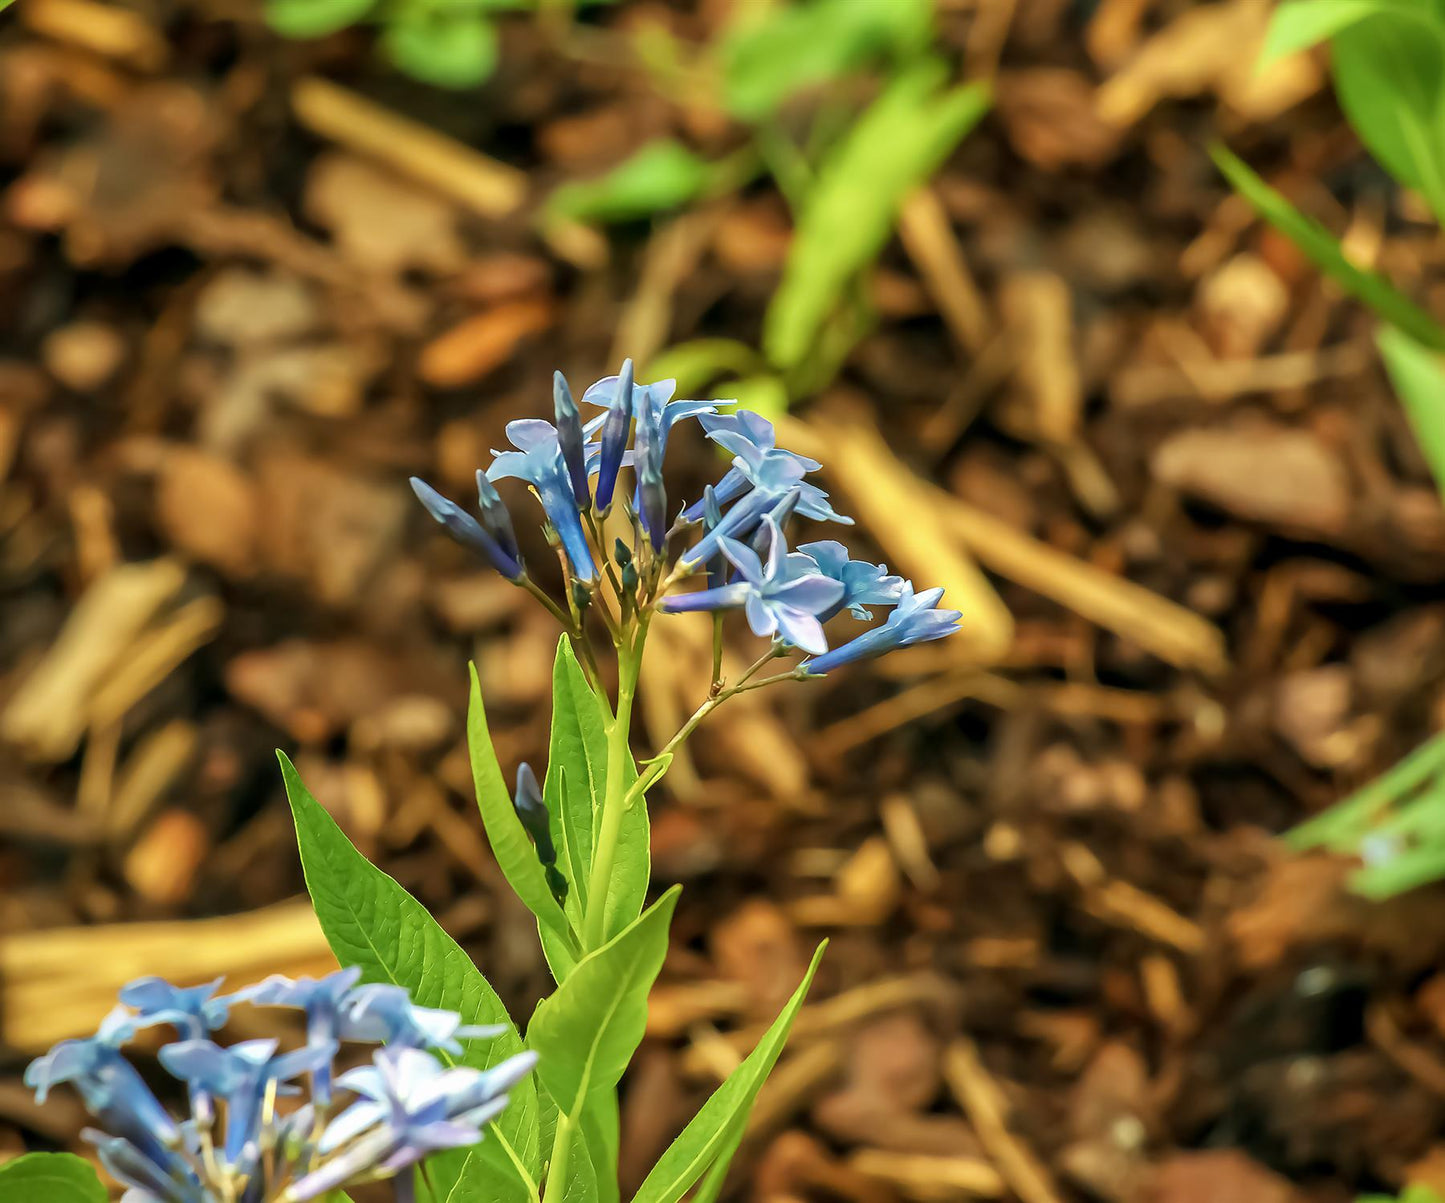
(257, 266)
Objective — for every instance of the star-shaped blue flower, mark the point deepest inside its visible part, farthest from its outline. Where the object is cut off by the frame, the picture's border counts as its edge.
(539, 461)
(864, 584)
(915, 619)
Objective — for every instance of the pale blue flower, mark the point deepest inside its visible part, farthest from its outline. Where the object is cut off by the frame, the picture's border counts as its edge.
(190, 1009)
(782, 598)
(615, 428)
(386, 1013)
(538, 460)
(652, 406)
(570, 438)
(864, 584)
(322, 1000)
(915, 619)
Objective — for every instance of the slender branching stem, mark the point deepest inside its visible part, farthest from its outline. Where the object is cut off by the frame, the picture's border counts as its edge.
(561, 1158)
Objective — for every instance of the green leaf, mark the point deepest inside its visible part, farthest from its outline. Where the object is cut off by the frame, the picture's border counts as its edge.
(1390, 78)
(1419, 378)
(1323, 250)
(662, 175)
(573, 791)
(585, 1033)
(447, 49)
(712, 1136)
(1299, 24)
(510, 843)
(50, 1177)
(848, 215)
(314, 18)
(769, 57)
(699, 362)
(370, 921)
(601, 1132)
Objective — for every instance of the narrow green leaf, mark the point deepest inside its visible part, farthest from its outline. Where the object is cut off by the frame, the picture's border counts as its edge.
(699, 362)
(601, 1131)
(848, 215)
(1419, 378)
(1299, 24)
(790, 47)
(1341, 827)
(712, 1136)
(576, 773)
(585, 1033)
(1323, 250)
(371, 921)
(509, 840)
(50, 1177)
(661, 175)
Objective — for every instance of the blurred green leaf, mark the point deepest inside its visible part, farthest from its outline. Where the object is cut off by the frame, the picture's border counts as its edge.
(1323, 250)
(1389, 76)
(699, 362)
(661, 175)
(448, 49)
(1299, 24)
(1419, 379)
(314, 18)
(764, 394)
(770, 54)
(50, 1177)
(848, 216)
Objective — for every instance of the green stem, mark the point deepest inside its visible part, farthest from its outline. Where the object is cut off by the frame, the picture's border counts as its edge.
(629, 664)
(561, 1156)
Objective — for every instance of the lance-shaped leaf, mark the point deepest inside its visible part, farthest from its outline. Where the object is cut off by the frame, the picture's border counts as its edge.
(1323, 250)
(585, 1033)
(50, 1177)
(371, 921)
(510, 843)
(709, 1141)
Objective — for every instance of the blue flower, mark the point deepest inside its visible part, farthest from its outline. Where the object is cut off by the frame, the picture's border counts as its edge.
(570, 437)
(650, 501)
(242, 1075)
(113, 1091)
(781, 598)
(409, 1106)
(386, 1013)
(915, 619)
(539, 461)
(466, 530)
(771, 487)
(864, 584)
(652, 405)
(191, 1009)
(322, 1000)
(615, 427)
(149, 1181)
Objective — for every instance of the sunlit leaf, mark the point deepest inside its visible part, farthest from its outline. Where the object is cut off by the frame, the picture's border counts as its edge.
(371, 921)
(1299, 24)
(710, 1139)
(50, 1177)
(313, 18)
(448, 49)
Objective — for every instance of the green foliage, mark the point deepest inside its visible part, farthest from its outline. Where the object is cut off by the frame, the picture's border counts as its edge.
(585, 1033)
(772, 53)
(1299, 24)
(50, 1177)
(662, 175)
(1416, 1192)
(371, 921)
(448, 49)
(1419, 379)
(1323, 250)
(1396, 824)
(712, 1136)
(509, 840)
(848, 216)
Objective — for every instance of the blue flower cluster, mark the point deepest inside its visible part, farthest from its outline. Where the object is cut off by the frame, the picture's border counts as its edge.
(573, 468)
(241, 1143)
